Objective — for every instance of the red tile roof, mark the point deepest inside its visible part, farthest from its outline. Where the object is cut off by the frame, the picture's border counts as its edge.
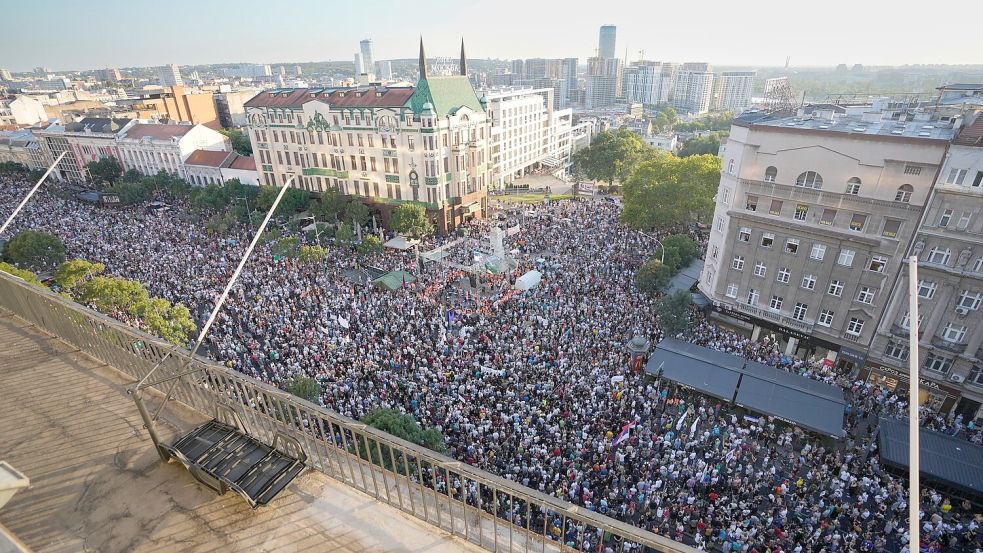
(340, 97)
(161, 132)
(246, 163)
(971, 135)
(208, 158)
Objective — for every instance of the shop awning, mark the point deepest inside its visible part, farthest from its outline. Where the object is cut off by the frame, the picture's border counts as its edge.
(797, 399)
(687, 277)
(394, 280)
(435, 255)
(711, 372)
(400, 242)
(951, 461)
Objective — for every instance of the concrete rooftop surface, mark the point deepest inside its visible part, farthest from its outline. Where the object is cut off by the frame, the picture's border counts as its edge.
(97, 485)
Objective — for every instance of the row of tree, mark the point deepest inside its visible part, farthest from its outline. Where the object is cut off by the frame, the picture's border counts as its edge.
(655, 276)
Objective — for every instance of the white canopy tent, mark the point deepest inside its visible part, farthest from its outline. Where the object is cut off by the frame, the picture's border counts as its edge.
(401, 242)
(529, 280)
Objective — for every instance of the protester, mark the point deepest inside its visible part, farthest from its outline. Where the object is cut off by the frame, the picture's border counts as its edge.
(533, 386)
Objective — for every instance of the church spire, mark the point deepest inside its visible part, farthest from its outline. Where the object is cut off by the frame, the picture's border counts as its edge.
(423, 61)
(464, 60)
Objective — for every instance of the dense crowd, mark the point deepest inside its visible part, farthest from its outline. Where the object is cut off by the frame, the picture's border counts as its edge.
(533, 386)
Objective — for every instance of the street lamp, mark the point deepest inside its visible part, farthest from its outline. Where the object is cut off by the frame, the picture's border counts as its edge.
(662, 258)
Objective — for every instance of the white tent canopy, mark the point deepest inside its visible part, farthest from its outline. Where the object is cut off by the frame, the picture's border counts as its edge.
(529, 280)
(400, 242)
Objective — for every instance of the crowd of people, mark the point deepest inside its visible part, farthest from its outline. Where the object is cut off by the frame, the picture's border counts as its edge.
(532, 386)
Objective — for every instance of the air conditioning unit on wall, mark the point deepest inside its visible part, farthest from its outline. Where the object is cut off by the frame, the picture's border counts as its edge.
(957, 378)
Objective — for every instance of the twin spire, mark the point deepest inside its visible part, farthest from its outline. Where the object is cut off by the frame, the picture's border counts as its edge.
(423, 61)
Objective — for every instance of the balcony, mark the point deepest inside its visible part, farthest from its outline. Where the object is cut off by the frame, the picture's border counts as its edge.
(902, 332)
(953, 347)
(979, 353)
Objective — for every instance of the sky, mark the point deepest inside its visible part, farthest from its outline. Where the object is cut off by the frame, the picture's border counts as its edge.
(71, 35)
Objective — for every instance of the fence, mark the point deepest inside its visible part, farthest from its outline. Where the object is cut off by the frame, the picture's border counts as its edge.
(484, 509)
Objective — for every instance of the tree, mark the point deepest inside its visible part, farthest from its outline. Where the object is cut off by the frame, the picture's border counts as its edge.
(652, 277)
(22, 274)
(357, 213)
(109, 294)
(7, 167)
(709, 144)
(611, 156)
(345, 234)
(667, 191)
(73, 272)
(370, 244)
(105, 172)
(211, 197)
(329, 206)
(674, 312)
(304, 388)
(660, 122)
(130, 192)
(240, 141)
(312, 254)
(411, 220)
(405, 427)
(294, 200)
(37, 251)
(286, 247)
(171, 322)
(685, 248)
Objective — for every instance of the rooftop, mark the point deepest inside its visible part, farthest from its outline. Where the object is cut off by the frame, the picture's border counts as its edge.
(157, 132)
(97, 125)
(855, 125)
(372, 96)
(208, 158)
(245, 163)
(971, 135)
(106, 490)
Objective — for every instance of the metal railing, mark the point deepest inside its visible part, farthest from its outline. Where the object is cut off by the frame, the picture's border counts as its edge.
(479, 507)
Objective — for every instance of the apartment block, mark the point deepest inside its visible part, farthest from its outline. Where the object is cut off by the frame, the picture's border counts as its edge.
(813, 219)
(692, 91)
(151, 148)
(732, 90)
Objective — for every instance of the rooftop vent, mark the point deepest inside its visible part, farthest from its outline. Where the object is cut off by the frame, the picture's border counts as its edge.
(924, 133)
(859, 129)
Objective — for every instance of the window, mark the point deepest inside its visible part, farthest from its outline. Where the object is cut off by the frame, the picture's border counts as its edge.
(799, 312)
(751, 204)
(938, 256)
(865, 295)
(978, 180)
(776, 303)
(767, 240)
(725, 195)
(716, 250)
(801, 210)
(946, 217)
(828, 216)
(853, 186)
(846, 258)
(810, 179)
(978, 266)
(783, 275)
(858, 222)
(912, 170)
(792, 246)
(956, 176)
(738, 264)
(938, 363)
(809, 282)
(744, 235)
(964, 220)
(752, 297)
(891, 228)
(776, 207)
(720, 222)
(730, 166)
(855, 327)
(825, 318)
(835, 288)
(877, 263)
(906, 320)
(731, 290)
(904, 193)
(970, 300)
(818, 252)
(896, 350)
(926, 289)
(976, 375)
(760, 269)
(954, 332)
(410, 143)
(770, 174)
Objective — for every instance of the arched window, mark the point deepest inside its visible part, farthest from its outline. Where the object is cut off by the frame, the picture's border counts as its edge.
(853, 186)
(810, 179)
(770, 174)
(904, 193)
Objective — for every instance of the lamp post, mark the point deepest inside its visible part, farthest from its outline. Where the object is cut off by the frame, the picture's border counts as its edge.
(662, 258)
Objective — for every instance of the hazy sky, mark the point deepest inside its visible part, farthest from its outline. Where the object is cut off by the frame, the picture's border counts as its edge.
(67, 34)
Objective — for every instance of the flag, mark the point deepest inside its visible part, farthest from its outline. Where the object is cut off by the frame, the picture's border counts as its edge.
(623, 435)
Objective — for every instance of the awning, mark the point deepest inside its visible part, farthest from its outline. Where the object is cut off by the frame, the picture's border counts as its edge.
(435, 255)
(400, 242)
(951, 461)
(799, 400)
(687, 277)
(528, 280)
(711, 372)
(394, 280)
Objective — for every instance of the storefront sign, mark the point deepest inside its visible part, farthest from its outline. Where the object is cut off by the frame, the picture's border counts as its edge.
(852, 356)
